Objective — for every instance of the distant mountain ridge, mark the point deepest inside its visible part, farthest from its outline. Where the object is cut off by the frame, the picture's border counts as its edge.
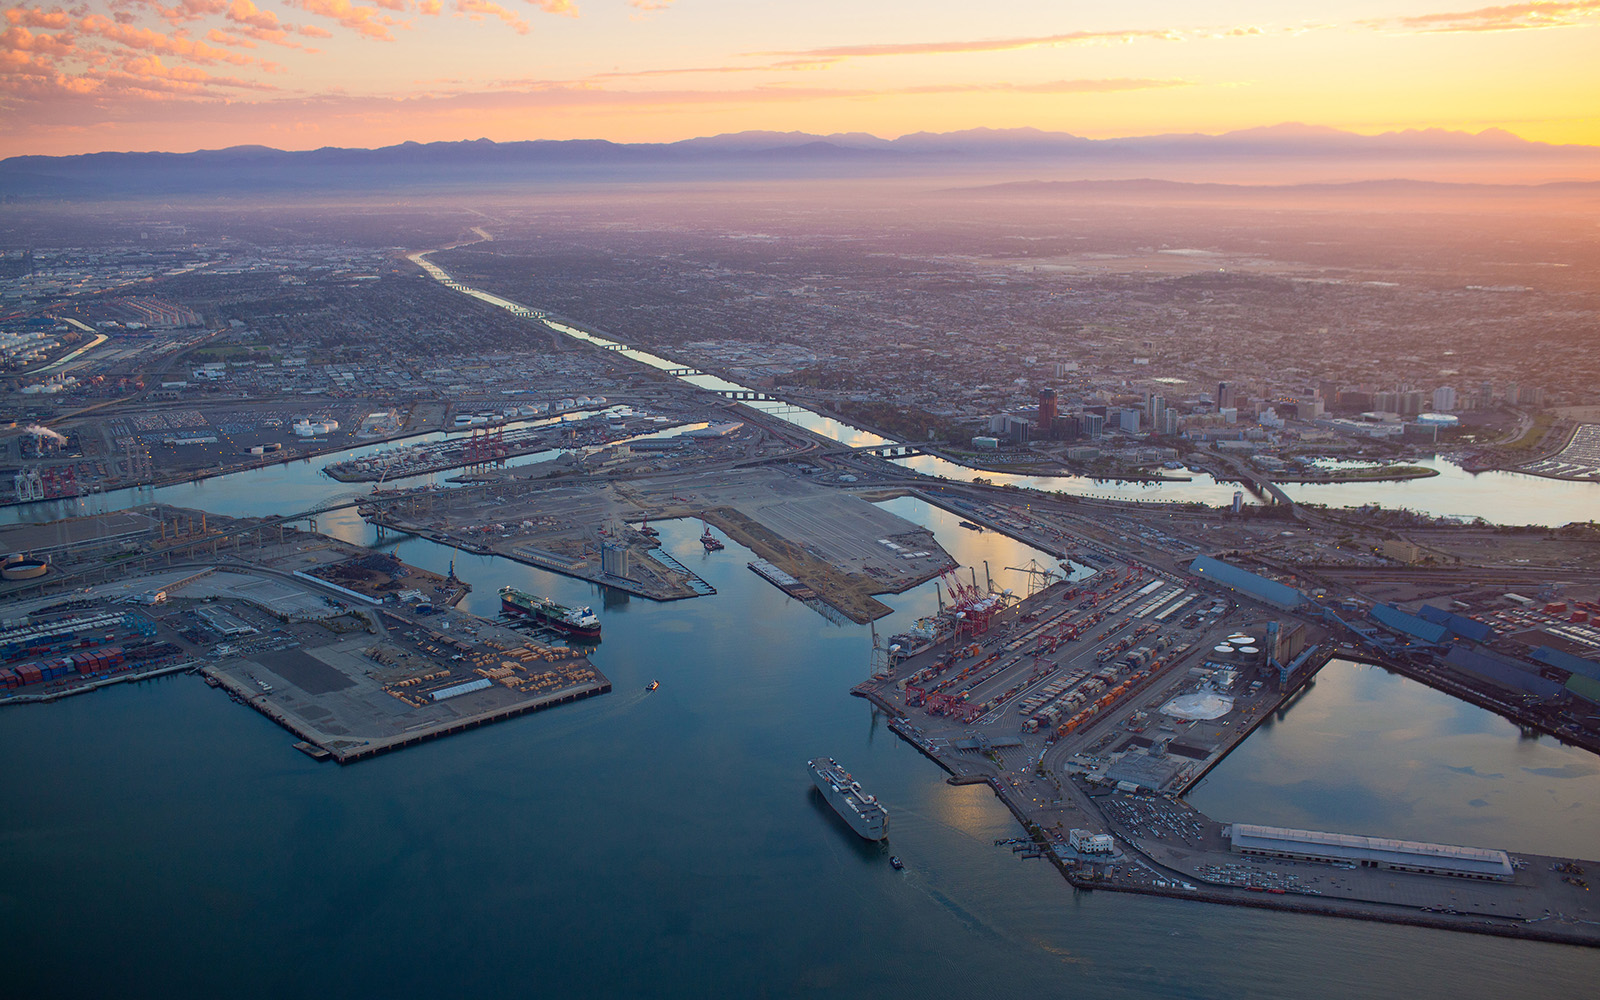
(754, 154)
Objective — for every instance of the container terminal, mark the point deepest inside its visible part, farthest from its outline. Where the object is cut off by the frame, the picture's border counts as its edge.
(1092, 706)
(352, 651)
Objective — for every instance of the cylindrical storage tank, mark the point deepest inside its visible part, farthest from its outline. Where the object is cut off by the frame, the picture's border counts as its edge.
(24, 568)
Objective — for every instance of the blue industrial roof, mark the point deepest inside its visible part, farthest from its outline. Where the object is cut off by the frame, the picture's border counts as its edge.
(1395, 619)
(1568, 662)
(1253, 584)
(1502, 670)
(1466, 628)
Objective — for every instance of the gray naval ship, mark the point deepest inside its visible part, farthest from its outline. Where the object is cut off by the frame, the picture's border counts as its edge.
(844, 793)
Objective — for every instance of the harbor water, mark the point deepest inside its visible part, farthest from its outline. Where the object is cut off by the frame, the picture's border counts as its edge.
(669, 843)
(664, 843)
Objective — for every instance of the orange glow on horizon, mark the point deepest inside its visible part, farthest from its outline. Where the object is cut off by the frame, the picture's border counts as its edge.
(301, 74)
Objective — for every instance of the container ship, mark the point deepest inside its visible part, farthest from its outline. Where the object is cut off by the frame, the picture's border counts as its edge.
(580, 622)
(865, 816)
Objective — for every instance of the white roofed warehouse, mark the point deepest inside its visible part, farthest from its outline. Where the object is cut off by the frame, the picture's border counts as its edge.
(1372, 852)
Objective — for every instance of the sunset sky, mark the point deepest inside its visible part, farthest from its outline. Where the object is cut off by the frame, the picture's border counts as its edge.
(296, 74)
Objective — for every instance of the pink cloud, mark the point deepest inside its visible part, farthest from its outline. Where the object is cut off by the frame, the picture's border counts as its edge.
(37, 18)
(986, 45)
(153, 41)
(367, 21)
(20, 39)
(564, 7)
(477, 10)
(245, 12)
(223, 38)
(1510, 17)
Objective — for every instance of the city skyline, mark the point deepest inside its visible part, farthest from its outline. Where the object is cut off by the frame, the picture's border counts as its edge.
(299, 74)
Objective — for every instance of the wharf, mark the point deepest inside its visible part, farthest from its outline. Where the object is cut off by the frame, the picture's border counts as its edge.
(69, 690)
(400, 679)
(1103, 776)
(346, 750)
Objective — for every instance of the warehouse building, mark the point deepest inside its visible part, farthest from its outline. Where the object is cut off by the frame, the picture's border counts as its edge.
(1401, 623)
(1245, 582)
(1372, 852)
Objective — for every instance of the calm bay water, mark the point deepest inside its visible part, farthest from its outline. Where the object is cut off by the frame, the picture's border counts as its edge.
(660, 844)
(1367, 751)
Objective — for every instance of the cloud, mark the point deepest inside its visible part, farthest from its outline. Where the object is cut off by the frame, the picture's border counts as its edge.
(176, 44)
(985, 45)
(247, 13)
(477, 10)
(564, 7)
(1510, 17)
(150, 71)
(37, 18)
(650, 4)
(20, 39)
(368, 22)
(191, 10)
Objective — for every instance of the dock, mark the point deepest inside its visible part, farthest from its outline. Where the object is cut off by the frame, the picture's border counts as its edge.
(1076, 732)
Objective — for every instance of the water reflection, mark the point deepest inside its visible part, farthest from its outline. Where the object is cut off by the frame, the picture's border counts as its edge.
(1369, 752)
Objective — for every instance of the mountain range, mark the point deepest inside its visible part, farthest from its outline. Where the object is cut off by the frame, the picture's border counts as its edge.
(990, 153)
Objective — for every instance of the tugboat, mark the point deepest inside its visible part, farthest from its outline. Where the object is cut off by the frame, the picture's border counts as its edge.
(711, 543)
(896, 864)
(652, 685)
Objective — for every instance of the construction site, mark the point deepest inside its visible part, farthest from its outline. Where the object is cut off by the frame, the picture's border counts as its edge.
(837, 545)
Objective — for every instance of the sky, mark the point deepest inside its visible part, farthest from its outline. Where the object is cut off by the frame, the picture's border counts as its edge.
(179, 75)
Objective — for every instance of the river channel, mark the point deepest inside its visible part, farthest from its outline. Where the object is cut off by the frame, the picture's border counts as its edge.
(1497, 497)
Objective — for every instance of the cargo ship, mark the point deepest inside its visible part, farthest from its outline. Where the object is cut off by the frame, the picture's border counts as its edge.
(865, 816)
(580, 622)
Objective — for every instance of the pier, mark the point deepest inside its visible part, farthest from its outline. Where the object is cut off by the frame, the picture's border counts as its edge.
(1001, 708)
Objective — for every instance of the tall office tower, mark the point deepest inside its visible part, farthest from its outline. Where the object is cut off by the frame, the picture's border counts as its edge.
(1154, 407)
(1225, 395)
(1047, 413)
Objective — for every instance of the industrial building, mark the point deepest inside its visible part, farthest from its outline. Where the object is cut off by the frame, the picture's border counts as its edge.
(1250, 584)
(1372, 852)
(1400, 623)
(1085, 842)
